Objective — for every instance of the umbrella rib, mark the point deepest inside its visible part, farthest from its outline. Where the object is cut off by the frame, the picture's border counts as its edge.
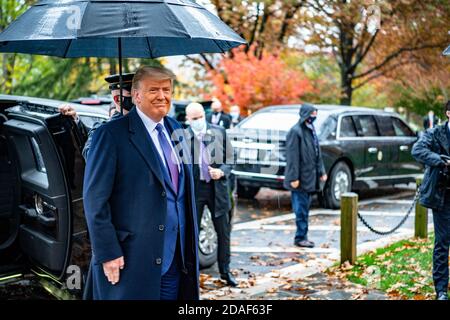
(67, 48)
(149, 48)
(180, 22)
(217, 44)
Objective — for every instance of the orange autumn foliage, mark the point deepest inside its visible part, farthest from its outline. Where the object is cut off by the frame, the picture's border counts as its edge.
(253, 83)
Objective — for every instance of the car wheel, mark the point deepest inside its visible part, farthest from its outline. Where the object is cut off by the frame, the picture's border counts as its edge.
(207, 241)
(339, 182)
(246, 192)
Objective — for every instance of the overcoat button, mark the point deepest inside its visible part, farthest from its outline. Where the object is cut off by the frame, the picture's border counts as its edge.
(158, 260)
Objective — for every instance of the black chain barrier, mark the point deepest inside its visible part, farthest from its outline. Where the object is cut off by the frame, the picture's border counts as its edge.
(384, 233)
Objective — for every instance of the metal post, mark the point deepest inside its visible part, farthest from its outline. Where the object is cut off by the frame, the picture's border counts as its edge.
(421, 219)
(349, 211)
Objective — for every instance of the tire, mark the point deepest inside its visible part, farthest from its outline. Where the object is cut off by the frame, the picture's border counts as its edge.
(207, 243)
(246, 192)
(340, 181)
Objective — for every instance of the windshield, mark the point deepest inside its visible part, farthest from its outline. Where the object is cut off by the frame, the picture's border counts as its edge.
(281, 120)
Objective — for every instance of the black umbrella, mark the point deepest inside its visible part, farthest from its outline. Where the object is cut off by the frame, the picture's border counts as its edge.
(118, 28)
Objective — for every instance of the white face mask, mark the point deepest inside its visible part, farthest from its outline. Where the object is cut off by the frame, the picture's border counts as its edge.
(234, 115)
(198, 125)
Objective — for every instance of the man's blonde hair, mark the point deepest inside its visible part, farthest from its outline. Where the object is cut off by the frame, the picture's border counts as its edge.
(157, 73)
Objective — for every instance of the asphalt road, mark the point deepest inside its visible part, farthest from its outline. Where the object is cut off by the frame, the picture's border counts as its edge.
(264, 228)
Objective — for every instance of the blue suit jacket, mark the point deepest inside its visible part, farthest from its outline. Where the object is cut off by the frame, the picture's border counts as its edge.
(126, 207)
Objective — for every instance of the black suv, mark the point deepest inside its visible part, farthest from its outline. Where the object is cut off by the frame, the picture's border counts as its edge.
(42, 223)
(362, 148)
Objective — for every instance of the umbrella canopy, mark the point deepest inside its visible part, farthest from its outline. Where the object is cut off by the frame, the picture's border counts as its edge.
(447, 51)
(92, 28)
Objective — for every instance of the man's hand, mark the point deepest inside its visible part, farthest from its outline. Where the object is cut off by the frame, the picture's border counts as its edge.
(295, 184)
(324, 178)
(112, 269)
(68, 110)
(215, 174)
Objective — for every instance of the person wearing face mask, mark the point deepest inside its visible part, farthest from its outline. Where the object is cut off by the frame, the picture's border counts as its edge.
(114, 110)
(304, 170)
(430, 120)
(212, 156)
(235, 114)
(218, 116)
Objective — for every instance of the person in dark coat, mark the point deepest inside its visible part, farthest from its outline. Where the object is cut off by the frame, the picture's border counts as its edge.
(212, 155)
(430, 120)
(235, 114)
(139, 200)
(114, 111)
(218, 117)
(304, 170)
(435, 194)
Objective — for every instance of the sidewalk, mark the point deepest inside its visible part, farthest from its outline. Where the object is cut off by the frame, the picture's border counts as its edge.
(319, 286)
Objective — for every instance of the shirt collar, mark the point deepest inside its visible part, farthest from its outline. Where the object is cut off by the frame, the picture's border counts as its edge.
(148, 122)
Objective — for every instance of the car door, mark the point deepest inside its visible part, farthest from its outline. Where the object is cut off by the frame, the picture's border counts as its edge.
(42, 210)
(351, 145)
(405, 165)
(377, 153)
(389, 145)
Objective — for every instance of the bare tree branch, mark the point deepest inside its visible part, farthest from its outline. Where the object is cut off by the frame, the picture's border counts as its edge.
(380, 74)
(289, 15)
(255, 27)
(394, 55)
(363, 52)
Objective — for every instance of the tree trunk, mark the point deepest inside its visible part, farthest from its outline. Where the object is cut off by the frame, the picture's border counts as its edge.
(346, 89)
(347, 72)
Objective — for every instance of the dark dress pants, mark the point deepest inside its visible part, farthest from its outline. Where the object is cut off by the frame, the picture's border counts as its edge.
(205, 197)
(170, 281)
(441, 220)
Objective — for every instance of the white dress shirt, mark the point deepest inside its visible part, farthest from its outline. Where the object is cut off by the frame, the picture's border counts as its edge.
(216, 118)
(197, 136)
(150, 125)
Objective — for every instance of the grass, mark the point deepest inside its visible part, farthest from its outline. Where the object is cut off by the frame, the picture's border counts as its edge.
(403, 270)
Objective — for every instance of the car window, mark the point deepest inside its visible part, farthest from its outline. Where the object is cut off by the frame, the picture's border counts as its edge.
(347, 128)
(328, 129)
(401, 129)
(366, 126)
(271, 121)
(385, 126)
(280, 120)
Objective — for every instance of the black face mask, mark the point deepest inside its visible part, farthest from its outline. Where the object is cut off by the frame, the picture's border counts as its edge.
(127, 103)
(311, 119)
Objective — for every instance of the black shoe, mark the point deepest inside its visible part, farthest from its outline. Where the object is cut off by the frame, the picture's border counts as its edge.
(442, 296)
(304, 244)
(228, 277)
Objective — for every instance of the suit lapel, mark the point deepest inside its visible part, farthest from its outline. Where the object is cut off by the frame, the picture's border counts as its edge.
(142, 141)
